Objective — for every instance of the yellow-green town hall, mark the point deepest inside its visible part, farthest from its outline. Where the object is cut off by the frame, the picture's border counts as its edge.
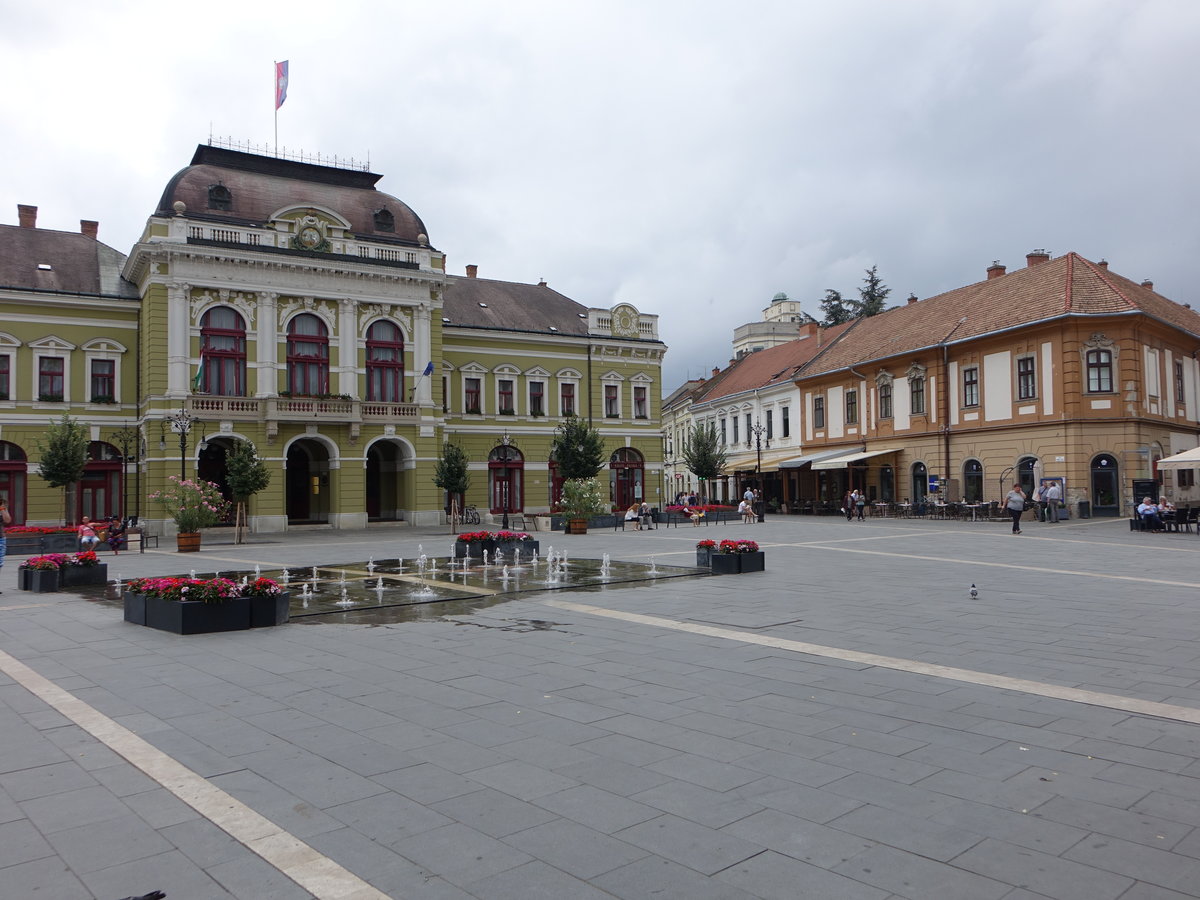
(297, 306)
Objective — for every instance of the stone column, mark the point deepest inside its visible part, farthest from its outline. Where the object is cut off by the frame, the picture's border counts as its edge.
(179, 320)
(267, 355)
(422, 354)
(347, 347)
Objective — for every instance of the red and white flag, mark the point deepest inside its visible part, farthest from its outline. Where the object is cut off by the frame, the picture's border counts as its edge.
(281, 80)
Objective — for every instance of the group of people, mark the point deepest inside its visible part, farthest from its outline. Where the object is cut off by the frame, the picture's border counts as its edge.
(1047, 498)
(113, 528)
(639, 514)
(1153, 514)
(854, 505)
(747, 508)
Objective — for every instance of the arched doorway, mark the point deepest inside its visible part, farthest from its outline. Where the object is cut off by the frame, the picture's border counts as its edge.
(211, 466)
(887, 483)
(385, 459)
(13, 466)
(920, 482)
(307, 483)
(506, 482)
(626, 477)
(1027, 474)
(1106, 495)
(973, 481)
(99, 490)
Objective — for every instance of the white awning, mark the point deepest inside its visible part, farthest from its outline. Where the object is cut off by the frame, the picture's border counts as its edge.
(1188, 459)
(810, 458)
(840, 462)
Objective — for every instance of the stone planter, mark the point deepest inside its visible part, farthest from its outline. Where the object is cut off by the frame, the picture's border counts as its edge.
(753, 562)
(527, 548)
(39, 581)
(187, 542)
(704, 556)
(473, 549)
(727, 563)
(79, 576)
(195, 617)
(135, 608)
(268, 611)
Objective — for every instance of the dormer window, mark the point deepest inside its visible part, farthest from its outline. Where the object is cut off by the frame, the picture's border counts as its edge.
(219, 197)
(384, 220)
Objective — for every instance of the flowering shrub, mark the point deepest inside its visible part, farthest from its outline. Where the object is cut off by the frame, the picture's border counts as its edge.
(705, 545)
(261, 587)
(472, 536)
(192, 504)
(85, 558)
(738, 547)
(46, 563)
(16, 530)
(513, 536)
(214, 590)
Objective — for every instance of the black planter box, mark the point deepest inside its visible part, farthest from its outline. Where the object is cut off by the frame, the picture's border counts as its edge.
(473, 549)
(727, 563)
(135, 608)
(704, 556)
(24, 545)
(754, 562)
(268, 611)
(527, 548)
(78, 576)
(195, 617)
(60, 543)
(39, 581)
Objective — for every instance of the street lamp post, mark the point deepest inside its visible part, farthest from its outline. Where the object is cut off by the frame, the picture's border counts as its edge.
(128, 436)
(758, 430)
(182, 422)
(505, 494)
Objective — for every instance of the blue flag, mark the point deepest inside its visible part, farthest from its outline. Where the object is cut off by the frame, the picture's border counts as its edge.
(428, 369)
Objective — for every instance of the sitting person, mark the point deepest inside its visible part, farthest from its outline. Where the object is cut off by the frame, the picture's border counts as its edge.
(646, 515)
(746, 511)
(88, 539)
(1148, 512)
(694, 514)
(633, 515)
(116, 534)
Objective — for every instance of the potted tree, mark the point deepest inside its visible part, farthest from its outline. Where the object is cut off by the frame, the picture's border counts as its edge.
(193, 505)
(578, 449)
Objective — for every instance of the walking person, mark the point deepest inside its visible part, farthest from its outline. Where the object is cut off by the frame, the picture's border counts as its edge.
(1053, 495)
(860, 505)
(848, 505)
(1014, 505)
(5, 519)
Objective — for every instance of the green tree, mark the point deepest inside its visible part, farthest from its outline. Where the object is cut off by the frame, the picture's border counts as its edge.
(246, 474)
(873, 294)
(452, 476)
(578, 449)
(836, 308)
(703, 452)
(63, 454)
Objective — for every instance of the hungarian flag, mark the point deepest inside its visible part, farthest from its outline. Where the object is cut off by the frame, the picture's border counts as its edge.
(198, 381)
(281, 80)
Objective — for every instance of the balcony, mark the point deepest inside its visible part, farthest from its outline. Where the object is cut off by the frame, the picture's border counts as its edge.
(273, 410)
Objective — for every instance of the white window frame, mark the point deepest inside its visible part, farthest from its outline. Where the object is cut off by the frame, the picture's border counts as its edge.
(51, 348)
(108, 350)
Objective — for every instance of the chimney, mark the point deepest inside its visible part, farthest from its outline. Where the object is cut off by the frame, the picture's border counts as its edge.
(1036, 258)
(541, 282)
(89, 228)
(1103, 264)
(27, 216)
(472, 271)
(1148, 284)
(912, 298)
(808, 329)
(995, 270)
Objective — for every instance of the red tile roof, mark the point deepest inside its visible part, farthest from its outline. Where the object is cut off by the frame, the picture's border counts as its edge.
(770, 366)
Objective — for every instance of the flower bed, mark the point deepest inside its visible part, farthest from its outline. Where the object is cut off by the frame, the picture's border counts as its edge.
(704, 552)
(473, 543)
(199, 606)
(737, 557)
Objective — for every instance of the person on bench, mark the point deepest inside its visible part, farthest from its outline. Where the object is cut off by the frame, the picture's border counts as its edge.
(1148, 512)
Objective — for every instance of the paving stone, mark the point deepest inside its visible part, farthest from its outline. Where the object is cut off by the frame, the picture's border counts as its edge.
(493, 812)
(69, 809)
(598, 809)
(203, 842)
(1052, 876)
(1148, 864)
(89, 848)
(20, 842)
(705, 850)
(799, 838)
(460, 854)
(533, 881)
(43, 781)
(574, 848)
(385, 870)
(49, 877)
(773, 876)
(249, 877)
(387, 817)
(663, 879)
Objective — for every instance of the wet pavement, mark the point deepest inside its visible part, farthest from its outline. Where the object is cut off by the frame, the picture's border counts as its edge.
(850, 723)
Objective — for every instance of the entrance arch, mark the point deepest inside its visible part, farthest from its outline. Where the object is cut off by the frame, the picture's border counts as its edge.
(99, 490)
(385, 461)
(13, 467)
(626, 478)
(920, 482)
(212, 466)
(1106, 483)
(308, 482)
(506, 479)
(1027, 474)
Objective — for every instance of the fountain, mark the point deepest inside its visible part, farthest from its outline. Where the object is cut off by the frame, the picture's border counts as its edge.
(192, 574)
(653, 573)
(306, 594)
(284, 577)
(371, 565)
(314, 575)
(485, 558)
(345, 601)
(504, 574)
(257, 572)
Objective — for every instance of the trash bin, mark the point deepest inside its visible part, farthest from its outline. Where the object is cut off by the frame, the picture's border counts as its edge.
(1085, 509)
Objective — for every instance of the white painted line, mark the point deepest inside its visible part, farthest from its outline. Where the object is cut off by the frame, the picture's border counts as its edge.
(314, 872)
(1001, 682)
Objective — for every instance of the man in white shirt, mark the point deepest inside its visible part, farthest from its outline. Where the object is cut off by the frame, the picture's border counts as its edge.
(1053, 497)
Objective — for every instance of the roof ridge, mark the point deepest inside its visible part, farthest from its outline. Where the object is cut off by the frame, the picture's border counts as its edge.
(1103, 275)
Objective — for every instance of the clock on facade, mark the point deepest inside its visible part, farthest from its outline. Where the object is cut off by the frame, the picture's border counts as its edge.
(310, 237)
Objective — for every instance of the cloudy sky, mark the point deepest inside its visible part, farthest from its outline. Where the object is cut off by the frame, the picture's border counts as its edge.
(691, 158)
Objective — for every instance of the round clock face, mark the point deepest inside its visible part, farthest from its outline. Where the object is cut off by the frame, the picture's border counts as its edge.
(309, 237)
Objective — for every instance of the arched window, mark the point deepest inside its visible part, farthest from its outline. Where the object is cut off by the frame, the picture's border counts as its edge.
(1027, 474)
(973, 481)
(1106, 486)
(920, 482)
(308, 356)
(223, 352)
(219, 197)
(626, 477)
(506, 484)
(385, 362)
(13, 468)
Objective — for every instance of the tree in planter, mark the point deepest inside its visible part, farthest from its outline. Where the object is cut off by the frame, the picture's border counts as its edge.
(703, 453)
(452, 476)
(63, 456)
(578, 449)
(246, 474)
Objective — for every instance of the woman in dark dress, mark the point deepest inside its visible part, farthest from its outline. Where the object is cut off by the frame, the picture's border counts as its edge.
(116, 534)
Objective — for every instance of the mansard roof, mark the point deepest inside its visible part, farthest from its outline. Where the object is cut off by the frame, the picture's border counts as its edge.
(1068, 285)
(39, 259)
(511, 306)
(260, 186)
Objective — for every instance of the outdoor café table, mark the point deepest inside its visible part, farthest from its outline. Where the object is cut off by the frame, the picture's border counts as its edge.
(905, 509)
(973, 507)
(879, 508)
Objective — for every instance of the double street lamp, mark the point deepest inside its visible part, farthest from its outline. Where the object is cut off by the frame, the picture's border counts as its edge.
(128, 437)
(182, 423)
(759, 430)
